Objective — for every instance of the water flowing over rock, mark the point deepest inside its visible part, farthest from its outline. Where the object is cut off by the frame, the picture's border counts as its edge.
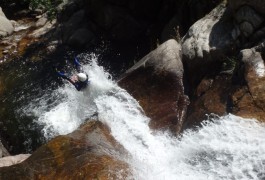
(156, 81)
(87, 152)
(6, 27)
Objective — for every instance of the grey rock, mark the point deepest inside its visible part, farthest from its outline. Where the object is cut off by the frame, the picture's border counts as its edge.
(248, 20)
(42, 21)
(12, 160)
(208, 35)
(6, 27)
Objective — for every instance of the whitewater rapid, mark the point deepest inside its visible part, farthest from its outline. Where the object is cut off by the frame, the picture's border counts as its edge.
(228, 147)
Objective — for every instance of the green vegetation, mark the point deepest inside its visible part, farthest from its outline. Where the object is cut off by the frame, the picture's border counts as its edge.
(49, 6)
(229, 64)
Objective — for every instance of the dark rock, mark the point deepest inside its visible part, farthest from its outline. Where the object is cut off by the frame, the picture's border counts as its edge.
(81, 38)
(257, 5)
(116, 22)
(3, 151)
(248, 20)
(72, 24)
(156, 82)
(87, 152)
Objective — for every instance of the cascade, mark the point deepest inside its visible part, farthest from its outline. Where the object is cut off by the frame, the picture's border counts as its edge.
(227, 147)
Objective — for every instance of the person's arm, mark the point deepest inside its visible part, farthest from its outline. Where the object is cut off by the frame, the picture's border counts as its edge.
(78, 65)
(64, 76)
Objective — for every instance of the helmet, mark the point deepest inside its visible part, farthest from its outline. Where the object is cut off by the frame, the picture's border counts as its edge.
(82, 77)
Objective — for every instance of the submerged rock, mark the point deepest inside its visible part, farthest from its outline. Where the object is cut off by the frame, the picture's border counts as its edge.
(156, 81)
(87, 152)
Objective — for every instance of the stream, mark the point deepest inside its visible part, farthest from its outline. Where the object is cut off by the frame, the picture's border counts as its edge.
(227, 147)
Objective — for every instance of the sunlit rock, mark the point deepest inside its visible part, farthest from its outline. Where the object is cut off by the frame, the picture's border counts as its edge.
(208, 41)
(88, 152)
(12, 160)
(252, 102)
(6, 27)
(156, 81)
(212, 95)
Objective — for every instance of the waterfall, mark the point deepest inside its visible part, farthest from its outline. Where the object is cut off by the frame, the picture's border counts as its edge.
(228, 147)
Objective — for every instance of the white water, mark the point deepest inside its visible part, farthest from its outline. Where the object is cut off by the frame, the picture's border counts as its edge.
(229, 147)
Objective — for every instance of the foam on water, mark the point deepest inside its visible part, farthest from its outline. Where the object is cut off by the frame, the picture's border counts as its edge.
(228, 147)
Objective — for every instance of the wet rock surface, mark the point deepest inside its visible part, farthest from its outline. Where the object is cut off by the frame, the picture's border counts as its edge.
(156, 81)
(251, 102)
(87, 152)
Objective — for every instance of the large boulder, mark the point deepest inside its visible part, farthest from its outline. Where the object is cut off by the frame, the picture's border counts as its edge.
(186, 14)
(6, 27)
(211, 97)
(258, 5)
(208, 41)
(156, 81)
(87, 152)
(250, 101)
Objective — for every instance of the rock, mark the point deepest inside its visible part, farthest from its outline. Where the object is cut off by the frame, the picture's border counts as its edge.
(72, 24)
(42, 21)
(117, 22)
(43, 30)
(255, 77)
(206, 44)
(257, 5)
(248, 20)
(3, 151)
(156, 82)
(12, 160)
(212, 97)
(186, 14)
(88, 152)
(81, 38)
(6, 27)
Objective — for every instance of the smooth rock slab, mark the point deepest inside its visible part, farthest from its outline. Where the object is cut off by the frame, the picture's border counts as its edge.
(156, 81)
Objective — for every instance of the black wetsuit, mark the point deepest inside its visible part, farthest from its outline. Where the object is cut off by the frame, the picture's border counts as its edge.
(79, 85)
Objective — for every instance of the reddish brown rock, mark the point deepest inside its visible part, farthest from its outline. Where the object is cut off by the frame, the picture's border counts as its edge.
(212, 97)
(250, 102)
(245, 106)
(156, 82)
(86, 153)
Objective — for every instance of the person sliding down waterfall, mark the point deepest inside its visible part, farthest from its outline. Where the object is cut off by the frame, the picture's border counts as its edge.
(79, 80)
